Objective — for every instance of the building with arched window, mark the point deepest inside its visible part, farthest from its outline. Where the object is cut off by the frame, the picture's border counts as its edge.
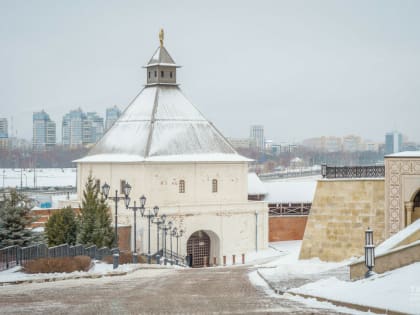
(169, 152)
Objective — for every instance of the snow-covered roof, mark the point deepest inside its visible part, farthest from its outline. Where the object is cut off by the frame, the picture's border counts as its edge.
(290, 191)
(161, 124)
(255, 185)
(415, 154)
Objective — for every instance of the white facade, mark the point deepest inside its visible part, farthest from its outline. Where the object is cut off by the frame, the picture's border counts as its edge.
(162, 142)
(226, 216)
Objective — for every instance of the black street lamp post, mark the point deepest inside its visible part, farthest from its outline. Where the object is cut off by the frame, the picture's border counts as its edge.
(170, 238)
(116, 199)
(158, 221)
(165, 228)
(149, 216)
(177, 234)
(134, 208)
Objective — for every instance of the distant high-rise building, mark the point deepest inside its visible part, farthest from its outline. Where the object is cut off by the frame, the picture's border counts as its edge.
(393, 142)
(79, 128)
(112, 114)
(44, 131)
(96, 126)
(4, 134)
(257, 136)
(72, 126)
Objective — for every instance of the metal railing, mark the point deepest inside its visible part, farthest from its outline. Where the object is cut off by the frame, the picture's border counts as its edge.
(283, 209)
(289, 173)
(175, 257)
(15, 255)
(376, 171)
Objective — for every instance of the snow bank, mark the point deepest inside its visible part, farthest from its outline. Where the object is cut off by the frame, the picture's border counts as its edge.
(260, 283)
(397, 290)
(395, 239)
(289, 265)
(99, 269)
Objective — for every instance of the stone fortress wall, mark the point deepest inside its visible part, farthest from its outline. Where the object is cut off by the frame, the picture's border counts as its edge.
(341, 212)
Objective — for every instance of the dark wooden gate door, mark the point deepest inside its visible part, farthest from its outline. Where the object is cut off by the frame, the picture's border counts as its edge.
(198, 246)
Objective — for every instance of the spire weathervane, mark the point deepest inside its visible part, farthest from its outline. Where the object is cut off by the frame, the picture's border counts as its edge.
(161, 36)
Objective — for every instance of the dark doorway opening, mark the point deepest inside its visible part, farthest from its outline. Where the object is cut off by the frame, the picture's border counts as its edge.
(198, 249)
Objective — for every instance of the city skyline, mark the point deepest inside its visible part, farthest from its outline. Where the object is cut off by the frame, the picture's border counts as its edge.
(331, 71)
(113, 113)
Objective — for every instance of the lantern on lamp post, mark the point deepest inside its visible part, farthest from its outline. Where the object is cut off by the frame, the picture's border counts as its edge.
(369, 253)
(149, 216)
(116, 199)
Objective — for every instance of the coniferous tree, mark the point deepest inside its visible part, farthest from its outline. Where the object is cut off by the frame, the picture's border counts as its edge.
(61, 227)
(94, 220)
(15, 219)
(104, 233)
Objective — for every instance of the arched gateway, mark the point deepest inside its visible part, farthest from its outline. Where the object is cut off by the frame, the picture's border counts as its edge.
(198, 248)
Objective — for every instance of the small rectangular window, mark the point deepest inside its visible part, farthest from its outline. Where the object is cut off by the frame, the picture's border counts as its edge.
(182, 186)
(170, 74)
(162, 74)
(214, 185)
(149, 74)
(122, 185)
(155, 74)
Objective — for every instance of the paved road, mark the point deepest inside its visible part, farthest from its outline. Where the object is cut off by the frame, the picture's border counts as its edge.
(192, 291)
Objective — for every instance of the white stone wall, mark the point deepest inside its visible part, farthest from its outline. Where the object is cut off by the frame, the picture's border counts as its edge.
(159, 182)
(226, 216)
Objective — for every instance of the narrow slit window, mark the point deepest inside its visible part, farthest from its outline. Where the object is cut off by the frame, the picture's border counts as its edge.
(149, 74)
(162, 74)
(214, 185)
(155, 74)
(182, 186)
(170, 74)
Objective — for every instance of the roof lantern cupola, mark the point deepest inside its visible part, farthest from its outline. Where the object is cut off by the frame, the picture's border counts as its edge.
(161, 69)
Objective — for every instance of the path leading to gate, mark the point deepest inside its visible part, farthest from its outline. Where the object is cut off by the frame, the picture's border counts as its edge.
(186, 291)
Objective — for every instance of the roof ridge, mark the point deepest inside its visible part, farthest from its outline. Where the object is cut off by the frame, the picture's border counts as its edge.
(152, 124)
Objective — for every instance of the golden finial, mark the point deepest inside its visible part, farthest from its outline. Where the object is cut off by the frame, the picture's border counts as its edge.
(161, 36)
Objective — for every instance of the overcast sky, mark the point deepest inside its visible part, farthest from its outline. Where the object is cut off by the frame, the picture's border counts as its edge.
(300, 68)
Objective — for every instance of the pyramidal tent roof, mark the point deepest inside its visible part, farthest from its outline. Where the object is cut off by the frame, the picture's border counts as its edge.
(161, 125)
(161, 57)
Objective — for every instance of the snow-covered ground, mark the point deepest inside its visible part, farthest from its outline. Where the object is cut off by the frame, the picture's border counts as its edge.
(286, 265)
(396, 290)
(289, 262)
(41, 177)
